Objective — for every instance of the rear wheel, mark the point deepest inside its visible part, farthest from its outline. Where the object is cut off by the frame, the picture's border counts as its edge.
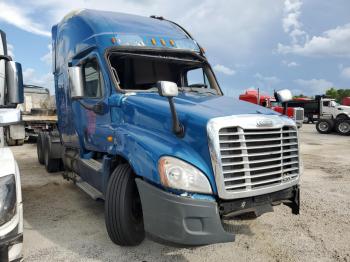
(39, 148)
(51, 164)
(343, 127)
(19, 142)
(9, 140)
(324, 126)
(123, 211)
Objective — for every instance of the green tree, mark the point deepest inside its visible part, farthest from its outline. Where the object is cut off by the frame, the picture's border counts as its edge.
(332, 92)
(338, 94)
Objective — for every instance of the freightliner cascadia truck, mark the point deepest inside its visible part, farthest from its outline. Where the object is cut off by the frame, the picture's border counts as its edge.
(144, 125)
(11, 209)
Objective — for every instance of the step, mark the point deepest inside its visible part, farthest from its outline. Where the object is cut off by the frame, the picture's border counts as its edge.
(90, 190)
(92, 163)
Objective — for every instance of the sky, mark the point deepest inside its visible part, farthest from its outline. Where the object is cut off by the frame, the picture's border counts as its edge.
(303, 45)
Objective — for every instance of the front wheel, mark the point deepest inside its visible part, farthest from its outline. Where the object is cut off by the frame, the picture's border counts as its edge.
(123, 211)
(324, 126)
(343, 127)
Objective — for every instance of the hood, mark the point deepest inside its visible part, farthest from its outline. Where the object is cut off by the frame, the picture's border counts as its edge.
(198, 107)
(345, 108)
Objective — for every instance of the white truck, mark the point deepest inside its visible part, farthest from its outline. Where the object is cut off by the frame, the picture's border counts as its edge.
(11, 210)
(333, 116)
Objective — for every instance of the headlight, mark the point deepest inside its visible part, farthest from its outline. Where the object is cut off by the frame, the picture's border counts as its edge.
(177, 174)
(8, 198)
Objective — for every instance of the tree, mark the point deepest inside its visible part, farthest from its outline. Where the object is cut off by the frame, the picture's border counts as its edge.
(338, 94)
(332, 92)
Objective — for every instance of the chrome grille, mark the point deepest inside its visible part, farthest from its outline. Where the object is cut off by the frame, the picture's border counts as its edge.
(253, 159)
(298, 114)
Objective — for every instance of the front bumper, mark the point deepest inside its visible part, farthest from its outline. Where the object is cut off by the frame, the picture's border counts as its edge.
(173, 219)
(179, 220)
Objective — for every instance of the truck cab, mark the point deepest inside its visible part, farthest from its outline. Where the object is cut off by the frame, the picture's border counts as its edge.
(331, 109)
(144, 125)
(11, 208)
(254, 96)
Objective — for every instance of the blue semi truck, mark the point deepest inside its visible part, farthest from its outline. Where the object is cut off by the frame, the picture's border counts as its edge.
(144, 126)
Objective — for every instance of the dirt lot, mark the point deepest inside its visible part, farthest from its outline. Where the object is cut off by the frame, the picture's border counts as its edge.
(63, 224)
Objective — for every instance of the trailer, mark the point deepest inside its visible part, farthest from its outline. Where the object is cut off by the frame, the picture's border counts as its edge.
(38, 111)
(144, 125)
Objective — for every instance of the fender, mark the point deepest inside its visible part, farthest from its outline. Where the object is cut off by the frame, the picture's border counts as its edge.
(143, 148)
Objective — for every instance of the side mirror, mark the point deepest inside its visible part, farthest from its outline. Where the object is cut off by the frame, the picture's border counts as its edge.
(76, 82)
(167, 88)
(14, 81)
(283, 95)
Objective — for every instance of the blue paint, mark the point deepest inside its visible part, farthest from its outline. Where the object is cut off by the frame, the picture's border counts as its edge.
(140, 124)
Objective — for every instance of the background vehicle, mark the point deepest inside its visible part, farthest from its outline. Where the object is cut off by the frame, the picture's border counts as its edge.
(144, 125)
(38, 110)
(255, 97)
(346, 101)
(11, 211)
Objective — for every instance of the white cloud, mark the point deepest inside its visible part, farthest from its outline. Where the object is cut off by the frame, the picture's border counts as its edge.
(314, 86)
(251, 18)
(266, 81)
(47, 58)
(224, 70)
(17, 16)
(31, 77)
(290, 22)
(289, 63)
(345, 72)
(333, 42)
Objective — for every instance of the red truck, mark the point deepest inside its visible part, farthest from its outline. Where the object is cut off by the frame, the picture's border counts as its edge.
(255, 97)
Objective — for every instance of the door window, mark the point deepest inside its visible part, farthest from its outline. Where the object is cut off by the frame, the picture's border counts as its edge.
(93, 81)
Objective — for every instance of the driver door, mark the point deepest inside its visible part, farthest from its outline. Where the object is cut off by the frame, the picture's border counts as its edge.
(91, 112)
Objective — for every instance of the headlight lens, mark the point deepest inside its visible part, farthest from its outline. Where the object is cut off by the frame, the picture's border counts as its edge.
(8, 198)
(177, 174)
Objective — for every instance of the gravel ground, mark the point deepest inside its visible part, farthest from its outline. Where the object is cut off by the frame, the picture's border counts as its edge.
(64, 224)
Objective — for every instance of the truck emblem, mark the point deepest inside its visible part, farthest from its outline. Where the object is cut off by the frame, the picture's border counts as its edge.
(264, 123)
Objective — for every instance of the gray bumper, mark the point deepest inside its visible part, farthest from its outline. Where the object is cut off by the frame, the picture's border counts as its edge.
(179, 220)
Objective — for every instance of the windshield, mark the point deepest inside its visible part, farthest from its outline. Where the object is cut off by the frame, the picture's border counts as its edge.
(334, 104)
(142, 72)
(275, 103)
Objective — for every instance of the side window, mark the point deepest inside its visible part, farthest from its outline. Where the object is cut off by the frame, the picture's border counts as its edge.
(93, 81)
(197, 78)
(326, 103)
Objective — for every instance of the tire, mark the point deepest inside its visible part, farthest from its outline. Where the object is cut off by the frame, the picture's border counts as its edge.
(123, 211)
(9, 140)
(324, 126)
(20, 142)
(39, 148)
(342, 117)
(343, 127)
(51, 164)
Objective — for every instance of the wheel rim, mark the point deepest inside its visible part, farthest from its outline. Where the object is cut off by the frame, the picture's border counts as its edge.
(323, 126)
(344, 127)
